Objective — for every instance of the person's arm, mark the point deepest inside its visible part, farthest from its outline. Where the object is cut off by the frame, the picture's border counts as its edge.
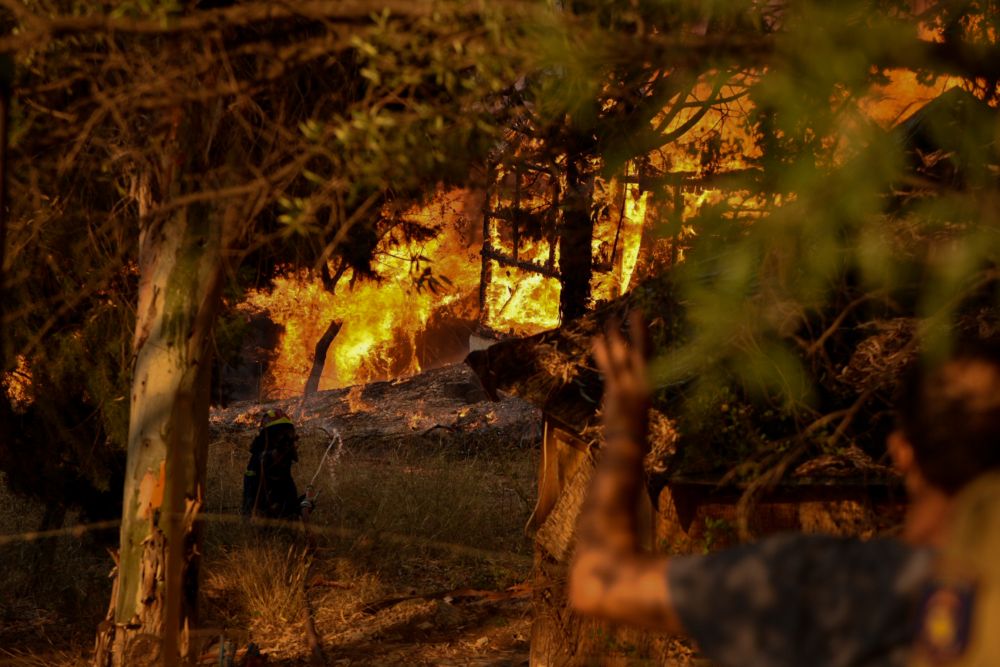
(609, 576)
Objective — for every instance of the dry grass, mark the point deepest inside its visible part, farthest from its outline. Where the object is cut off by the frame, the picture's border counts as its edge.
(263, 580)
(419, 489)
(414, 520)
(53, 591)
(421, 517)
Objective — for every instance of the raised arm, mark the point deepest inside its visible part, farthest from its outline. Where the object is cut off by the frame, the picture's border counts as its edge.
(609, 576)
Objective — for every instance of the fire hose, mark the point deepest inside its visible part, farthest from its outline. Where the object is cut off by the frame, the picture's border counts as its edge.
(311, 495)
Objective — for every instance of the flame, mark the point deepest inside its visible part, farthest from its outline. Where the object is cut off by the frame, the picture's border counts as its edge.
(522, 302)
(886, 104)
(17, 385)
(415, 421)
(525, 302)
(904, 93)
(720, 125)
(636, 203)
(355, 403)
(617, 242)
(382, 320)
(519, 301)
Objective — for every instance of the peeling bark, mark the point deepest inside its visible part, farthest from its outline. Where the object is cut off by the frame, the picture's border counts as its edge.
(180, 284)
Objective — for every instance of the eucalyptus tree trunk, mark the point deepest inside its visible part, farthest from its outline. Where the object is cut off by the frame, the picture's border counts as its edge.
(154, 598)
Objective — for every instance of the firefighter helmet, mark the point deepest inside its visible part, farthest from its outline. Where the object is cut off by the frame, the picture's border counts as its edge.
(273, 417)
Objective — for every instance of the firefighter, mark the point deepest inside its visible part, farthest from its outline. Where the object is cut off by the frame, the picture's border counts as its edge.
(268, 488)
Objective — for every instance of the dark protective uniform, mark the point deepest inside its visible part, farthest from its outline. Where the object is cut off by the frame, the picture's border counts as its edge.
(803, 601)
(268, 488)
(817, 601)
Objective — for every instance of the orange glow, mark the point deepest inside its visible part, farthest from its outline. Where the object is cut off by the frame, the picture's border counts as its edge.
(384, 319)
(524, 302)
(518, 301)
(355, 402)
(616, 243)
(17, 385)
(894, 102)
(886, 105)
(721, 125)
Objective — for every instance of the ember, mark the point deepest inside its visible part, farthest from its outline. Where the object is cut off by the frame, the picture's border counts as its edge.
(17, 383)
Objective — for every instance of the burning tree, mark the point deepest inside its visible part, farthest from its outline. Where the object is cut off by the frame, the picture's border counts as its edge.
(607, 137)
(788, 177)
(830, 250)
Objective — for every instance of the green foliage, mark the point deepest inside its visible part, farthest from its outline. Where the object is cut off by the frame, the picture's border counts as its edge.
(841, 243)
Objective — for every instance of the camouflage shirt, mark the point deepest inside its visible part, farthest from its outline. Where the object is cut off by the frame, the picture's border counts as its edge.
(802, 600)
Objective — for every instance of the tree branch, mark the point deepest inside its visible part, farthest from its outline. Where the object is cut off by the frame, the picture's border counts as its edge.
(240, 15)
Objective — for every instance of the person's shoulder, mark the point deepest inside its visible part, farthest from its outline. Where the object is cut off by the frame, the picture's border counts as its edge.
(822, 565)
(800, 599)
(961, 610)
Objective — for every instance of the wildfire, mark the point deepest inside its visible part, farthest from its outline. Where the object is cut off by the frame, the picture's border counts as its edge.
(416, 421)
(616, 243)
(355, 403)
(388, 324)
(525, 302)
(885, 104)
(521, 301)
(903, 94)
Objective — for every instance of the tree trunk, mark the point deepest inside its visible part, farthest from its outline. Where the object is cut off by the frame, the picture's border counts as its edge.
(156, 588)
(575, 253)
(319, 358)
(6, 76)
